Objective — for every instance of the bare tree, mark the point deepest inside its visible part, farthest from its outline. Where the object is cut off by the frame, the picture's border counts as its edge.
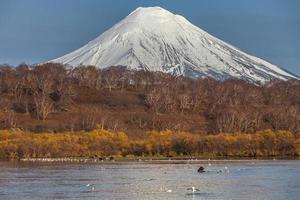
(153, 99)
(185, 102)
(41, 86)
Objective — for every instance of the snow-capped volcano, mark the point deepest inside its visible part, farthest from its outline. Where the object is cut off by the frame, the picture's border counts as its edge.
(154, 39)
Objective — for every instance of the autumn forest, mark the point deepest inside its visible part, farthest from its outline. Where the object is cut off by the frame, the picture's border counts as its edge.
(52, 110)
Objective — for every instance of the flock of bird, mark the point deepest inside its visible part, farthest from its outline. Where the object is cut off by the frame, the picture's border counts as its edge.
(192, 190)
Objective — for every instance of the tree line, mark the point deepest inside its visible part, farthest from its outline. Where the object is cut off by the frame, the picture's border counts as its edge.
(101, 144)
(117, 99)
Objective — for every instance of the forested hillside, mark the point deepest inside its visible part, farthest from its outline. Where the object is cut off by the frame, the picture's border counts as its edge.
(54, 98)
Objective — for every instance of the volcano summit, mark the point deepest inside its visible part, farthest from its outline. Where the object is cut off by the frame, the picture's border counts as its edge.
(154, 39)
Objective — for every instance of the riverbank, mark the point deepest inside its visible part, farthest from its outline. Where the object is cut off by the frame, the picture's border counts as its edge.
(161, 160)
(107, 145)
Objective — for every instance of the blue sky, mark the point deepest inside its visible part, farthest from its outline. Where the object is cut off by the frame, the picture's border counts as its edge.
(34, 31)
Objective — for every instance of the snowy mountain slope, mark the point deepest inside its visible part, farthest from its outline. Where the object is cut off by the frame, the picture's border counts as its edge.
(155, 39)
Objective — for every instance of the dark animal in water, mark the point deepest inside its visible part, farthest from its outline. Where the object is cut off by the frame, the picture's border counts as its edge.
(201, 169)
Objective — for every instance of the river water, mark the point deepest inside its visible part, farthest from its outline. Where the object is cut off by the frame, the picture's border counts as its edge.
(274, 180)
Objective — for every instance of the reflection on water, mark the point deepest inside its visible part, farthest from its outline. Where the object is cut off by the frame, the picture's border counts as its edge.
(223, 180)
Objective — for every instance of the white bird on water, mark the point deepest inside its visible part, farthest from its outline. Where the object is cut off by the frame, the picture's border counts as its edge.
(193, 189)
(165, 189)
(226, 169)
(89, 185)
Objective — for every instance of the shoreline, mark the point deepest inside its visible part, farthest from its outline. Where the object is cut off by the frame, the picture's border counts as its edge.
(158, 160)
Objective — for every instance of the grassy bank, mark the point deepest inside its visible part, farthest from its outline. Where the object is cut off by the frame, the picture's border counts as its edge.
(102, 144)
